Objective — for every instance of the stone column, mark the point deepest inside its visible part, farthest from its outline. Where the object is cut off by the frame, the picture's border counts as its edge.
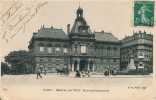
(78, 67)
(88, 65)
(93, 66)
(72, 66)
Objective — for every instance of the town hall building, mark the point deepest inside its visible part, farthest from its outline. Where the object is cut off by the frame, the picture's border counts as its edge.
(78, 49)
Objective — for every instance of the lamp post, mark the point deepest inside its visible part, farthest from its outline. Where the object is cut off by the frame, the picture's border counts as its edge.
(94, 64)
(67, 62)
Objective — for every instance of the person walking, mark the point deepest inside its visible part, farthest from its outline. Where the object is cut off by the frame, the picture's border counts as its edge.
(39, 73)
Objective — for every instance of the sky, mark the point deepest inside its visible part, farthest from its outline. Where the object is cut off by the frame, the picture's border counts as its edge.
(110, 16)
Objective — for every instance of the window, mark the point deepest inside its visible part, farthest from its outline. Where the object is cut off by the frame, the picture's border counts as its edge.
(41, 66)
(57, 60)
(57, 49)
(49, 50)
(91, 50)
(49, 59)
(41, 49)
(75, 48)
(83, 31)
(65, 50)
(41, 58)
(49, 67)
(83, 49)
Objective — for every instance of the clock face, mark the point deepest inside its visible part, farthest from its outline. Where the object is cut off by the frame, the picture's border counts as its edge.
(83, 31)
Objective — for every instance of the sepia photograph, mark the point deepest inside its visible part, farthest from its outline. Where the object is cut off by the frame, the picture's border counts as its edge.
(77, 50)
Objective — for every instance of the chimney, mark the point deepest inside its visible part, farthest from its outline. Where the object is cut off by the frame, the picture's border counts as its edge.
(68, 29)
(43, 26)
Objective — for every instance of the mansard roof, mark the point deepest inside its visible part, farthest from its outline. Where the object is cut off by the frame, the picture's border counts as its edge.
(77, 24)
(51, 33)
(106, 37)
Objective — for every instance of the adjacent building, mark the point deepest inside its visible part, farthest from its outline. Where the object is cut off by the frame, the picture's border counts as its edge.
(79, 49)
(140, 46)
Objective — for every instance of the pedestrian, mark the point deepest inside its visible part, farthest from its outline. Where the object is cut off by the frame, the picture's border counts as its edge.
(88, 73)
(105, 72)
(78, 73)
(39, 73)
(115, 72)
(44, 71)
(83, 73)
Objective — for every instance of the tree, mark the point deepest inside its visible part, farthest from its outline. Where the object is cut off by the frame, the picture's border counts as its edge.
(5, 69)
(22, 61)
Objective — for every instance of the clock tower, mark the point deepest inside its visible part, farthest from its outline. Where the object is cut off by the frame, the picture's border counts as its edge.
(82, 43)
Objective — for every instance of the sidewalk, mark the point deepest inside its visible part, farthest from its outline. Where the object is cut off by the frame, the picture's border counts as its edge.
(122, 76)
(112, 76)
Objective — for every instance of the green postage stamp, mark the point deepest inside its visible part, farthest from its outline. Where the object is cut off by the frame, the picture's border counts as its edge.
(144, 13)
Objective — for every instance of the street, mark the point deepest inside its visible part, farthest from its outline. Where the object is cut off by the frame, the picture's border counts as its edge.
(27, 87)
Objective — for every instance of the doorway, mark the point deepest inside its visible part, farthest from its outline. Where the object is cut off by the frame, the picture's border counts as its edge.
(83, 65)
(75, 65)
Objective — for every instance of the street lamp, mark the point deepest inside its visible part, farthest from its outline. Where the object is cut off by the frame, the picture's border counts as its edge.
(67, 62)
(94, 64)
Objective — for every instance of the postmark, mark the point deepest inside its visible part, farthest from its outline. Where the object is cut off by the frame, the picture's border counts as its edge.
(144, 13)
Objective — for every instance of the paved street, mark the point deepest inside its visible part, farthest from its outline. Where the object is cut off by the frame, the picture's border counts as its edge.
(27, 87)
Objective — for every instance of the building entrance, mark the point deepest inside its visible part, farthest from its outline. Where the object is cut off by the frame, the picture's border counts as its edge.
(83, 65)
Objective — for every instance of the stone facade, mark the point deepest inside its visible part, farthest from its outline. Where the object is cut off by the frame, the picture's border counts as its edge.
(140, 45)
(79, 49)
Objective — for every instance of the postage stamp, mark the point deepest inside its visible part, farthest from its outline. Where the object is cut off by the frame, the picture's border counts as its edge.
(144, 13)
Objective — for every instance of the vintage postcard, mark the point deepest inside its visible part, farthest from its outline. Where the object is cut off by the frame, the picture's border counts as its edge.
(77, 50)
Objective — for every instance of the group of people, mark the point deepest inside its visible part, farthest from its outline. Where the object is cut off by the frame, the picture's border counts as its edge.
(108, 72)
(82, 73)
(63, 71)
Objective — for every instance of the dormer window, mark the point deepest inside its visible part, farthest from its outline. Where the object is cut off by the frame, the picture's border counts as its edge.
(41, 49)
(65, 50)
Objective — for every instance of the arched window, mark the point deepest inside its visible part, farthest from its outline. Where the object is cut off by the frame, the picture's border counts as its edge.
(115, 51)
(91, 50)
(102, 50)
(96, 50)
(49, 48)
(57, 48)
(108, 51)
(76, 48)
(65, 49)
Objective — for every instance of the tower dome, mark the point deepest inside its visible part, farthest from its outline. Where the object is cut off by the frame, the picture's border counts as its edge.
(79, 10)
